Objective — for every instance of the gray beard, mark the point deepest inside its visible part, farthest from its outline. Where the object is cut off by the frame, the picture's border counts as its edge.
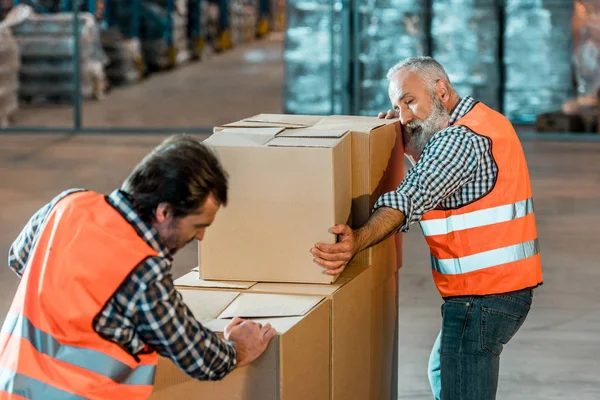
(417, 133)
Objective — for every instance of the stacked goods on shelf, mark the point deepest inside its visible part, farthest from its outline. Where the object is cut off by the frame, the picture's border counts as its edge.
(126, 63)
(47, 46)
(537, 45)
(315, 76)
(243, 18)
(586, 64)
(122, 44)
(586, 33)
(317, 52)
(209, 23)
(388, 31)
(249, 21)
(9, 75)
(278, 15)
(469, 54)
(164, 36)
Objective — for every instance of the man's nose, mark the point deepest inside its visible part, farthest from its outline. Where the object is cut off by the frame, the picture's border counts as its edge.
(405, 116)
(200, 235)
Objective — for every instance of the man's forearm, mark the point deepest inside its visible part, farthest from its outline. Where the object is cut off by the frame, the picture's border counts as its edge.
(382, 224)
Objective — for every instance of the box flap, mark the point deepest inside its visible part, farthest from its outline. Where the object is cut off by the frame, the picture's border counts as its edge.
(359, 124)
(286, 119)
(192, 279)
(312, 133)
(245, 137)
(316, 289)
(257, 124)
(254, 305)
(327, 143)
(281, 324)
(207, 305)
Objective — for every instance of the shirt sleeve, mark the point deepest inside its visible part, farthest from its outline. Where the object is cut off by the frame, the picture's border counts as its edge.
(18, 254)
(448, 162)
(165, 323)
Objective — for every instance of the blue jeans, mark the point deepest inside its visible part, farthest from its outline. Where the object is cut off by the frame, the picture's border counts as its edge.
(465, 360)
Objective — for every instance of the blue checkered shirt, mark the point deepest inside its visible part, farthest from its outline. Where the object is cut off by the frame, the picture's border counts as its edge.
(146, 309)
(456, 168)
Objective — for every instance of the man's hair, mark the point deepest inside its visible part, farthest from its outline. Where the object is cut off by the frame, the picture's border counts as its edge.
(430, 70)
(180, 171)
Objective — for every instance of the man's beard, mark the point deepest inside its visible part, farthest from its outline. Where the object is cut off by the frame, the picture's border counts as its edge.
(417, 133)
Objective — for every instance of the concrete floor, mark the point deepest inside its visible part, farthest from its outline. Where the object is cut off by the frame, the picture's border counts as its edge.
(554, 356)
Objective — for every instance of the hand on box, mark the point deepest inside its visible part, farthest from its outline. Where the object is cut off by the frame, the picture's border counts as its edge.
(390, 114)
(335, 257)
(249, 338)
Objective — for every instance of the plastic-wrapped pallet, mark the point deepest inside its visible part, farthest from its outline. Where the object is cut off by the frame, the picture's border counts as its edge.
(236, 19)
(465, 36)
(537, 47)
(586, 60)
(586, 32)
(314, 65)
(249, 22)
(125, 54)
(389, 31)
(9, 75)
(46, 44)
(278, 15)
(156, 49)
(209, 24)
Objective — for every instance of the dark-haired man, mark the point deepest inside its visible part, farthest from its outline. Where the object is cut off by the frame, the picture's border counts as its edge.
(96, 303)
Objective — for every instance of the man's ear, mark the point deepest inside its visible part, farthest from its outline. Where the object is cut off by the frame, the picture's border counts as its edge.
(443, 91)
(163, 212)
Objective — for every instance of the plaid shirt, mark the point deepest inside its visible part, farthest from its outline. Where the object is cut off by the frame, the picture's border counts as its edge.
(146, 309)
(456, 168)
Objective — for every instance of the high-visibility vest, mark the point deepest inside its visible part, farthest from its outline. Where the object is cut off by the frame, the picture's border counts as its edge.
(48, 346)
(489, 246)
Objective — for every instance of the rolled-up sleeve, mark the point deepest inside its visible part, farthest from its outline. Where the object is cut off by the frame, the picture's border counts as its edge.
(448, 162)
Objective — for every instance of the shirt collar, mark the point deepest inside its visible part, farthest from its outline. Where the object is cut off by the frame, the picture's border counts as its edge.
(118, 199)
(462, 108)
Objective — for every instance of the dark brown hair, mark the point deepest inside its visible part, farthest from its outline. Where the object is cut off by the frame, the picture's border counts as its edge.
(181, 171)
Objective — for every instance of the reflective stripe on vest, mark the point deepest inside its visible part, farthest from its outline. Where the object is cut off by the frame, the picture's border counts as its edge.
(486, 259)
(475, 219)
(92, 360)
(22, 385)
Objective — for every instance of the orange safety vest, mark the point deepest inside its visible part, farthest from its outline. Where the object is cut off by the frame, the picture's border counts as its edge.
(489, 246)
(48, 346)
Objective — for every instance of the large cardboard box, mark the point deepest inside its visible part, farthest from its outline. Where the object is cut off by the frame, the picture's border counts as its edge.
(295, 366)
(363, 319)
(287, 189)
(350, 307)
(374, 143)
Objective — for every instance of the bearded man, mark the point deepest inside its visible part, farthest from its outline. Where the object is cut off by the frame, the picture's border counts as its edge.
(469, 188)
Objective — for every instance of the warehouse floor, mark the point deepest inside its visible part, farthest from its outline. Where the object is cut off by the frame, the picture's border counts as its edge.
(554, 356)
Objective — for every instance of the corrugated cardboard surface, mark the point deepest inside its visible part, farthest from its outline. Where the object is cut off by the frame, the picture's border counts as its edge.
(192, 279)
(350, 328)
(376, 151)
(295, 366)
(350, 300)
(384, 319)
(282, 201)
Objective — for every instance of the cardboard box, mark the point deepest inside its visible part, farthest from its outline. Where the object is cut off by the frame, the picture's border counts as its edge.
(287, 189)
(350, 303)
(363, 311)
(374, 143)
(295, 366)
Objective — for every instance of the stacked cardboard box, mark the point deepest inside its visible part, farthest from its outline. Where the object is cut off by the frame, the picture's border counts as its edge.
(291, 179)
